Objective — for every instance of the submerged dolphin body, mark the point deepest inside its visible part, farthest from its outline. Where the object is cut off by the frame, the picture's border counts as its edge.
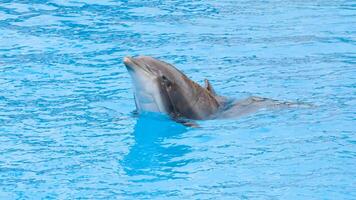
(160, 87)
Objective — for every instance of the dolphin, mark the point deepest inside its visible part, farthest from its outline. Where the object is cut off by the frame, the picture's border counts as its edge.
(161, 87)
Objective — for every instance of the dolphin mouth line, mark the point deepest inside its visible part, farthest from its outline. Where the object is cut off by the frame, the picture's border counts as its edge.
(132, 64)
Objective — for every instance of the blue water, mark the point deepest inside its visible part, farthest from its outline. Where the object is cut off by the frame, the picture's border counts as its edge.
(67, 130)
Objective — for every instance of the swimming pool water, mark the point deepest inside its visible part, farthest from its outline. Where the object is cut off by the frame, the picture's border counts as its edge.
(67, 130)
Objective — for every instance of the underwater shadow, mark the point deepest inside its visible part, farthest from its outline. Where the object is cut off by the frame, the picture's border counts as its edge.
(151, 154)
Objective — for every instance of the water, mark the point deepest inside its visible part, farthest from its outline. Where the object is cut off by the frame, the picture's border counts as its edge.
(66, 125)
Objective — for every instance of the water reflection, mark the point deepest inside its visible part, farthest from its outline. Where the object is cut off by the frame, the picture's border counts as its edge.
(152, 153)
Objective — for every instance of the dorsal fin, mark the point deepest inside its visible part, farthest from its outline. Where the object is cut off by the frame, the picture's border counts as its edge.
(209, 87)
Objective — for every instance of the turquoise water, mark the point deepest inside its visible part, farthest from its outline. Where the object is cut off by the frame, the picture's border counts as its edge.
(67, 130)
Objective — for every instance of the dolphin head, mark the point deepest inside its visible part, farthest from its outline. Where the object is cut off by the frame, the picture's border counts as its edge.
(148, 75)
(160, 87)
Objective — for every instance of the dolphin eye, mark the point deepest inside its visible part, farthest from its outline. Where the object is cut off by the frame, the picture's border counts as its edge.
(166, 81)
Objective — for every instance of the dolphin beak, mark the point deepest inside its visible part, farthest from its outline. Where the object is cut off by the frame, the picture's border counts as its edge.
(128, 61)
(132, 64)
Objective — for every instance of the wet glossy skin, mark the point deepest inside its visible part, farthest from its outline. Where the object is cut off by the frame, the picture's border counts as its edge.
(173, 92)
(160, 87)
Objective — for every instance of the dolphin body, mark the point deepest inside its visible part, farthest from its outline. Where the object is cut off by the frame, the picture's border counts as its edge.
(160, 87)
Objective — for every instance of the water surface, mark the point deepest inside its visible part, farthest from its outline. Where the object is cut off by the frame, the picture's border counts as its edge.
(66, 125)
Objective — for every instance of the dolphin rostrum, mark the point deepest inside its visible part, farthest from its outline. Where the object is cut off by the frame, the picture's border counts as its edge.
(160, 87)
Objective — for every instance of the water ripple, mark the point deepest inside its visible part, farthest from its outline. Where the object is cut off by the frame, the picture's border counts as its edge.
(66, 125)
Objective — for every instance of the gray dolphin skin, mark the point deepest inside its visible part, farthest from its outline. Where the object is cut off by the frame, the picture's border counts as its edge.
(160, 87)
